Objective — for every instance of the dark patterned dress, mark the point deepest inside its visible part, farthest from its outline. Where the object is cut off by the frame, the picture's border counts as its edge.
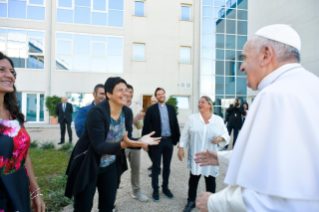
(14, 180)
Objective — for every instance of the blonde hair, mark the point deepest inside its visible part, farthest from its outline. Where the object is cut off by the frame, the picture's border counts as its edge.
(210, 102)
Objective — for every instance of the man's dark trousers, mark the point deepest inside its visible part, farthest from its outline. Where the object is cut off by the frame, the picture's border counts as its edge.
(62, 127)
(234, 127)
(164, 148)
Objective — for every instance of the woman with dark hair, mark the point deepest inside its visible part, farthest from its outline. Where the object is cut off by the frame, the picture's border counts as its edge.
(98, 159)
(245, 106)
(17, 178)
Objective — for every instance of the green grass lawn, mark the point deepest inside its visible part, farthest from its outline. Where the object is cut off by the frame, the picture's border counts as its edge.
(49, 168)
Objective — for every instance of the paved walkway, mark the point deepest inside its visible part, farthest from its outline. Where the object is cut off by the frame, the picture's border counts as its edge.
(124, 202)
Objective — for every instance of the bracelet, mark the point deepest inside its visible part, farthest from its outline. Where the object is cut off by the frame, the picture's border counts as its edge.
(36, 196)
(35, 190)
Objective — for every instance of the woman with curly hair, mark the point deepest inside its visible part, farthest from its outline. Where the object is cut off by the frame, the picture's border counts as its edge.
(17, 180)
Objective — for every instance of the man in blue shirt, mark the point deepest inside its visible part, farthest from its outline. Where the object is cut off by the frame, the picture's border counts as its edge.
(79, 121)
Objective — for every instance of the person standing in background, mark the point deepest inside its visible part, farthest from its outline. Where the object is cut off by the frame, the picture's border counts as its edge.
(245, 106)
(64, 112)
(79, 120)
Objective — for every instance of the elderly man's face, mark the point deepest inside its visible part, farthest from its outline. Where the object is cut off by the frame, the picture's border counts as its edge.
(251, 66)
(64, 99)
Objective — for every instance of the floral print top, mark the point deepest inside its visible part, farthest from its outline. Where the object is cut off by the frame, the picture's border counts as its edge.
(14, 145)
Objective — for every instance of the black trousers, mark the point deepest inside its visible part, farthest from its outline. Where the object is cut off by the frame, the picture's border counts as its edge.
(193, 183)
(150, 155)
(107, 183)
(62, 129)
(234, 127)
(164, 148)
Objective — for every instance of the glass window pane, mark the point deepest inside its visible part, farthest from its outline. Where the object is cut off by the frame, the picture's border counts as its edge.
(40, 2)
(218, 100)
(230, 68)
(242, 27)
(115, 18)
(36, 45)
(35, 62)
(3, 10)
(208, 11)
(241, 40)
(139, 52)
(81, 62)
(208, 54)
(207, 40)
(186, 13)
(82, 15)
(17, 47)
(219, 67)
(85, 3)
(82, 44)
(65, 3)
(41, 118)
(206, 85)
(99, 38)
(242, 15)
(3, 35)
(17, 9)
(207, 25)
(185, 55)
(99, 5)
(64, 47)
(31, 107)
(219, 12)
(231, 13)
(207, 67)
(219, 111)
(139, 8)
(241, 87)
(115, 46)
(116, 4)
(238, 72)
(208, 2)
(115, 64)
(219, 3)
(220, 25)
(36, 13)
(243, 5)
(64, 63)
(230, 41)
(35, 34)
(182, 102)
(219, 85)
(230, 55)
(230, 85)
(18, 57)
(99, 19)
(231, 3)
(230, 26)
(64, 16)
(219, 54)
(98, 65)
(64, 36)
(99, 50)
(220, 41)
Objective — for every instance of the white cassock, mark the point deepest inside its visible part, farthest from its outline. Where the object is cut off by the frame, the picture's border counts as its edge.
(275, 164)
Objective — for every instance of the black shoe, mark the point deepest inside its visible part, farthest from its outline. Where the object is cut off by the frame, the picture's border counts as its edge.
(62, 142)
(156, 195)
(189, 206)
(168, 193)
(150, 168)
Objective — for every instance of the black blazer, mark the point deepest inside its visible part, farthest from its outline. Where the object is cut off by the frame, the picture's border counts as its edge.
(152, 122)
(67, 114)
(85, 159)
(234, 115)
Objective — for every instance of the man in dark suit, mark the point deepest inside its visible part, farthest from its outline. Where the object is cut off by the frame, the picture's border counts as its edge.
(64, 112)
(79, 120)
(234, 120)
(162, 119)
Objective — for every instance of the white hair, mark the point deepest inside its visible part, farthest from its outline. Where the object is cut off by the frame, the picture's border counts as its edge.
(282, 51)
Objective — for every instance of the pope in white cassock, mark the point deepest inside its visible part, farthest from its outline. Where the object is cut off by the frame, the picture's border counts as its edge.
(275, 164)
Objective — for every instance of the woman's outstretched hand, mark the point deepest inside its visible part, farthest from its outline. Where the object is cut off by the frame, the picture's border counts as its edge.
(150, 140)
(142, 142)
(206, 158)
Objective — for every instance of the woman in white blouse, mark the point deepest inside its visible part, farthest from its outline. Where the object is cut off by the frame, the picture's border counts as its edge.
(202, 131)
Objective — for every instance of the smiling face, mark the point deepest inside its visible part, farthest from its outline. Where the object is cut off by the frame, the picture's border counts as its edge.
(6, 76)
(203, 105)
(99, 95)
(119, 96)
(129, 97)
(160, 96)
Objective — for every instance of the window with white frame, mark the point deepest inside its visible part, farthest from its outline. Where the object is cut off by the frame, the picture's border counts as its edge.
(23, 9)
(185, 55)
(185, 12)
(24, 47)
(89, 53)
(182, 102)
(139, 8)
(92, 12)
(139, 52)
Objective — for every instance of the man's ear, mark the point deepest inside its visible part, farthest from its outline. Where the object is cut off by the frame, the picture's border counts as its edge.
(108, 95)
(267, 55)
(94, 94)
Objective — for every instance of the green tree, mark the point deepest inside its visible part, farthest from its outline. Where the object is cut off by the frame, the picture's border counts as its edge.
(50, 103)
(173, 101)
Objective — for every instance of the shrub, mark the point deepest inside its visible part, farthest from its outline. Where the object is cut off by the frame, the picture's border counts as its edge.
(50, 103)
(66, 147)
(34, 144)
(173, 101)
(47, 145)
(57, 189)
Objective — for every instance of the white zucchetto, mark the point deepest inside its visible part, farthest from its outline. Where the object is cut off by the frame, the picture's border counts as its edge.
(281, 33)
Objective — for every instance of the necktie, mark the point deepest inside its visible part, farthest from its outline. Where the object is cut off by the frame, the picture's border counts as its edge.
(63, 107)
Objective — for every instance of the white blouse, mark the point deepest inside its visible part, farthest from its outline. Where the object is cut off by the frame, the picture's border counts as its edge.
(199, 136)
